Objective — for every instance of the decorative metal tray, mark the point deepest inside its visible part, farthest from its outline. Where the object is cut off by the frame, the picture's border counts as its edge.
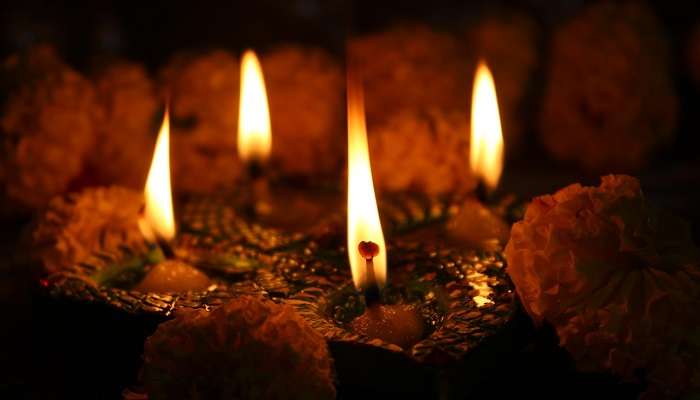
(463, 295)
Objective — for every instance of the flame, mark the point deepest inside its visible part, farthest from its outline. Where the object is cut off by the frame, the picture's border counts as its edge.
(363, 215)
(254, 137)
(486, 148)
(158, 221)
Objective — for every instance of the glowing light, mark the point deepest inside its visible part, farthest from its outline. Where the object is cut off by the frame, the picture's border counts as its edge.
(363, 215)
(486, 147)
(480, 283)
(254, 134)
(158, 221)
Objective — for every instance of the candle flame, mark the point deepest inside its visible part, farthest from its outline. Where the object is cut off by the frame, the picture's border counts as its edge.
(254, 137)
(363, 216)
(158, 221)
(486, 147)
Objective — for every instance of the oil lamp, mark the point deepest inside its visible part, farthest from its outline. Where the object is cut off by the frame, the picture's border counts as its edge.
(157, 225)
(365, 240)
(411, 298)
(254, 133)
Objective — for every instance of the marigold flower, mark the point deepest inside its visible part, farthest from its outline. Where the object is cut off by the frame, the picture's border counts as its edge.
(610, 103)
(423, 152)
(305, 88)
(410, 67)
(128, 129)
(618, 279)
(249, 348)
(95, 220)
(203, 93)
(46, 127)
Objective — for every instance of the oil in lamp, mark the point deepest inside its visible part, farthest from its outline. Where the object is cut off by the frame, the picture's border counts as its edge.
(254, 132)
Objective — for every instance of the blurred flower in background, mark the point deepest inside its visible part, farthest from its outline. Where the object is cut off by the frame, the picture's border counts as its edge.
(126, 134)
(410, 68)
(47, 127)
(306, 91)
(423, 152)
(203, 94)
(609, 103)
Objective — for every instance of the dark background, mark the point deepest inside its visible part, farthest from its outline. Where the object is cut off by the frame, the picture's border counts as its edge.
(46, 352)
(90, 33)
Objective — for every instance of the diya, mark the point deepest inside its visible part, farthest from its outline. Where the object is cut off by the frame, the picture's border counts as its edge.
(415, 304)
(460, 301)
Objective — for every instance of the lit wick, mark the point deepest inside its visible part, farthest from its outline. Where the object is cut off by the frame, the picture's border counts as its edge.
(255, 169)
(254, 133)
(153, 237)
(166, 248)
(364, 228)
(257, 179)
(486, 143)
(157, 219)
(482, 193)
(368, 250)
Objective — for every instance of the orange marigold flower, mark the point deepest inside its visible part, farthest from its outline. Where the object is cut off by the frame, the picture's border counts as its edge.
(610, 102)
(618, 279)
(46, 128)
(80, 224)
(129, 126)
(203, 93)
(249, 348)
(423, 152)
(305, 88)
(410, 67)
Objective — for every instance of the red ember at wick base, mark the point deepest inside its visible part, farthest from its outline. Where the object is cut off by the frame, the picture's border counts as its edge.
(368, 250)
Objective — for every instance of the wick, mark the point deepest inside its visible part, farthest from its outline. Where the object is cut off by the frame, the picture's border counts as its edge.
(368, 250)
(259, 200)
(256, 169)
(483, 193)
(146, 230)
(166, 248)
